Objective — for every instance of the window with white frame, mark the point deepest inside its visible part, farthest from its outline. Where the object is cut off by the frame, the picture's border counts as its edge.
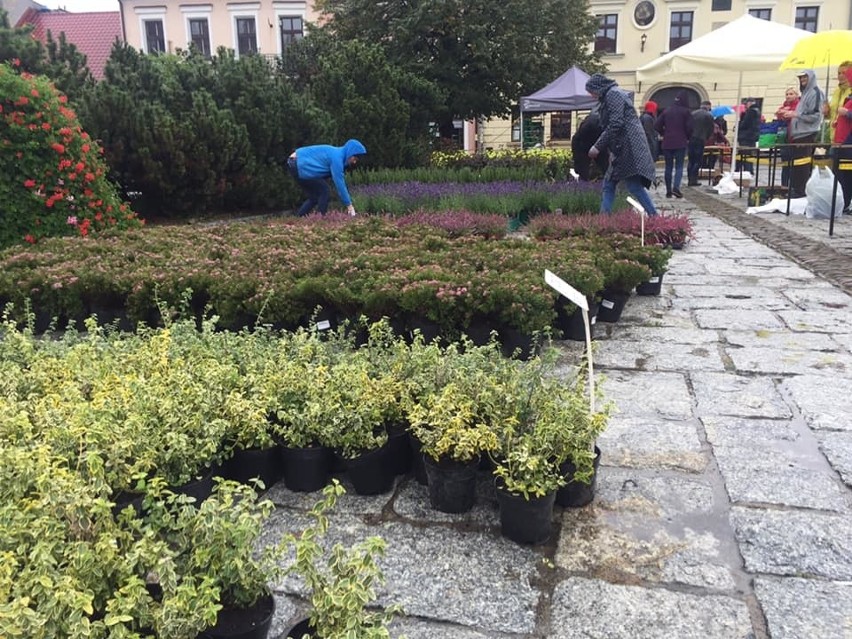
(246, 34)
(807, 18)
(155, 36)
(606, 37)
(721, 5)
(680, 30)
(292, 29)
(199, 35)
(763, 14)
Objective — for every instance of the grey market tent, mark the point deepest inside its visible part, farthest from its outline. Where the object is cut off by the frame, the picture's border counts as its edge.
(565, 93)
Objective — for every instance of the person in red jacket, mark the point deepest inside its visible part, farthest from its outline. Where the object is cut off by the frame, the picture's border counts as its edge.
(784, 116)
(843, 135)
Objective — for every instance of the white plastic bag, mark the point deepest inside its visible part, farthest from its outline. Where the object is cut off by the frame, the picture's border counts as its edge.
(818, 189)
(778, 205)
(726, 185)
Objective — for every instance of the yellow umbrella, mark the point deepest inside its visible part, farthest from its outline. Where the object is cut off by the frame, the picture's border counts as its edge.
(820, 50)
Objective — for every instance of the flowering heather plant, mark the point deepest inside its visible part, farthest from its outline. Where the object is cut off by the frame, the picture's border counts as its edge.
(659, 229)
(458, 223)
(52, 177)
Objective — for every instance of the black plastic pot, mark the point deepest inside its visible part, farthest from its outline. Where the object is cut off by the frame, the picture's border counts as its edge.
(652, 287)
(576, 494)
(243, 623)
(254, 463)
(452, 484)
(399, 451)
(305, 469)
(199, 488)
(515, 343)
(417, 463)
(300, 630)
(571, 324)
(525, 521)
(370, 472)
(612, 305)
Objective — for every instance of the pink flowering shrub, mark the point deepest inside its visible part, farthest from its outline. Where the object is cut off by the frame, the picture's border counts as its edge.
(52, 176)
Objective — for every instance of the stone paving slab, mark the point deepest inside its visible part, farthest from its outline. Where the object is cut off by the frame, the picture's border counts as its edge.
(642, 527)
(794, 543)
(844, 340)
(771, 361)
(599, 610)
(657, 334)
(837, 448)
(692, 290)
(819, 297)
(799, 608)
(727, 394)
(659, 356)
(744, 318)
(825, 404)
(644, 393)
(783, 340)
(823, 320)
(642, 442)
(774, 303)
(780, 474)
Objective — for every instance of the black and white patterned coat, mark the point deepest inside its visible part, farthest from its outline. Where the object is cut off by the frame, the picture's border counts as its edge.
(623, 136)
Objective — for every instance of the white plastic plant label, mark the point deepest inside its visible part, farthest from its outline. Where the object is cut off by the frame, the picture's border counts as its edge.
(641, 211)
(654, 280)
(607, 304)
(576, 297)
(323, 325)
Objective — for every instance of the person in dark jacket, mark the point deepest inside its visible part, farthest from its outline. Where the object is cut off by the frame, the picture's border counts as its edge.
(584, 138)
(702, 128)
(648, 119)
(675, 125)
(748, 130)
(624, 139)
(311, 166)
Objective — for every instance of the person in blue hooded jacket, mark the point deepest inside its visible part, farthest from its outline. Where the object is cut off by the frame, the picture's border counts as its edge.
(311, 166)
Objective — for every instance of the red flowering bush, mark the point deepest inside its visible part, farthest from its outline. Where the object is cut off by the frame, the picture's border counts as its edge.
(52, 176)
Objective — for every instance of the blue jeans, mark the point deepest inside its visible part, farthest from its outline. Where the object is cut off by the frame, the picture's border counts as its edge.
(316, 190)
(674, 156)
(634, 187)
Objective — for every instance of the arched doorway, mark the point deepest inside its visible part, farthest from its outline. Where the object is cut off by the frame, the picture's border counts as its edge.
(665, 97)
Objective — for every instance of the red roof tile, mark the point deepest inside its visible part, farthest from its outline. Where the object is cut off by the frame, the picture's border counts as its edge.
(93, 33)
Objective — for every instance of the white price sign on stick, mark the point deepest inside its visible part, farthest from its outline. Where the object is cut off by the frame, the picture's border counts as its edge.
(576, 297)
(641, 211)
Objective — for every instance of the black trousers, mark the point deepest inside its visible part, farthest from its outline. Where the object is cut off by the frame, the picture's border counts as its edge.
(801, 172)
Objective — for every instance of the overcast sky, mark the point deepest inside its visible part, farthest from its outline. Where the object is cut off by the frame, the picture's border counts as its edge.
(78, 6)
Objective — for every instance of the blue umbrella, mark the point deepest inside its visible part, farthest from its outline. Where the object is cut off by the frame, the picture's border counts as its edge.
(721, 110)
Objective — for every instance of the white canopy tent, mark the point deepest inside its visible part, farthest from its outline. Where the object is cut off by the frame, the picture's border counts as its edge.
(747, 46)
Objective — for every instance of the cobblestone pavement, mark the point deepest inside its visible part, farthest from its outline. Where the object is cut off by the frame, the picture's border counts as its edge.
(723, 507)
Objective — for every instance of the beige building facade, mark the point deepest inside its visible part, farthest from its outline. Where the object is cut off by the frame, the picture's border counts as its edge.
(635, 32)
(265, 27)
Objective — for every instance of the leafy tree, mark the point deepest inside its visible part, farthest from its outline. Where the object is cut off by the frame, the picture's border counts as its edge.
(52, 177)
(164, 134)
(382, 105)
(484, 54)
(59, 59)
(18, 47)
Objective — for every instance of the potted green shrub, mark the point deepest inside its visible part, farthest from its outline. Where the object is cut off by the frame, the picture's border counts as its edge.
(342, 581)
(452, 437)
(213, 545)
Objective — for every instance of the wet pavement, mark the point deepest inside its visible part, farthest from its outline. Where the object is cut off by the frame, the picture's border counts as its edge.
(723, 506)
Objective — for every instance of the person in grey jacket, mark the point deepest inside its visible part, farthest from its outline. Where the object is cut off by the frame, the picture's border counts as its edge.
(806, 123)
(623, 137)
(702, 128)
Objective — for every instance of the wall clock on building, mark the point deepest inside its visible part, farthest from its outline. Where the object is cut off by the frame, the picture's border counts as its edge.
(644, 13)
